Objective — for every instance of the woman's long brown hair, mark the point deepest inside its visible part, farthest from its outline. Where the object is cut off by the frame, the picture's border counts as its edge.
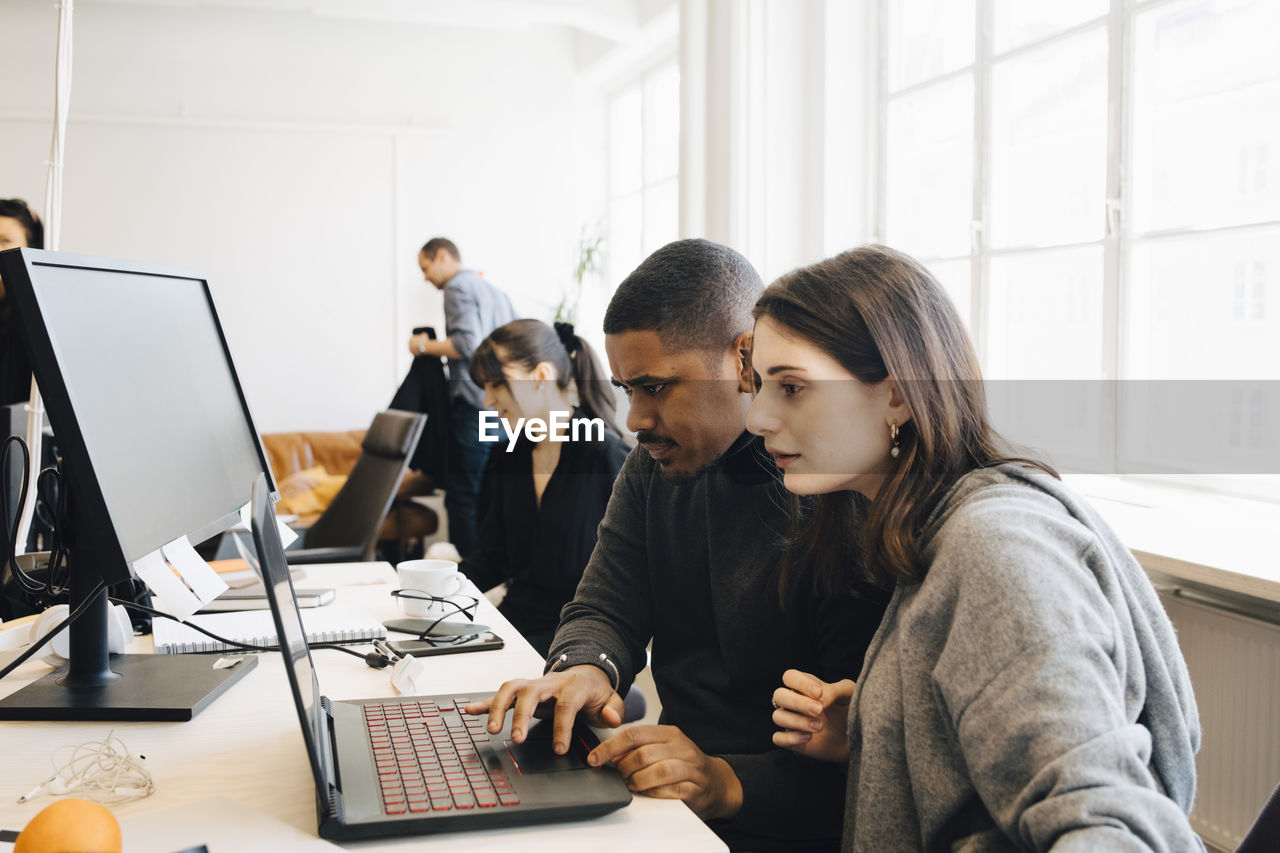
(880, 314)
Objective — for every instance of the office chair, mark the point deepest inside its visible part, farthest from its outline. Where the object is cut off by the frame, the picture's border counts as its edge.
(347, 531)
(1264, 835)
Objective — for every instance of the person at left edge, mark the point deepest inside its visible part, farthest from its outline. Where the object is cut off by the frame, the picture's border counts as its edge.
(472, 309)
(19, 227)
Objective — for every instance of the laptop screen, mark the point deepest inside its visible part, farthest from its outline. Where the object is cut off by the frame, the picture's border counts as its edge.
(292, 636)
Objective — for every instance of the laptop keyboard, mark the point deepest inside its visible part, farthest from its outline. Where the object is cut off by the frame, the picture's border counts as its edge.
(428, 761)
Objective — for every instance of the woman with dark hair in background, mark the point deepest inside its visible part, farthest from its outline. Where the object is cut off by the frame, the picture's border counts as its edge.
(1025, 689)
(19, 227)
(546, 497)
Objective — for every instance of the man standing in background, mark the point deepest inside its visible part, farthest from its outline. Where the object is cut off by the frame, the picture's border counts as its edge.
(472, 309)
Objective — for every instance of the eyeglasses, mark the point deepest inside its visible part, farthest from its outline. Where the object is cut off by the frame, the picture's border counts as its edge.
(466, 607)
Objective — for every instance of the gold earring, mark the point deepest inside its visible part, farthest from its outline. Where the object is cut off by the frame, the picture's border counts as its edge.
(893, 436)
(537, 386)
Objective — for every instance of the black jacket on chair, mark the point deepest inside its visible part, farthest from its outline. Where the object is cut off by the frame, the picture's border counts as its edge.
(425, 389)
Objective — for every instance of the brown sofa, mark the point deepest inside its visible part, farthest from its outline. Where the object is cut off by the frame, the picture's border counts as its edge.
(293, 453)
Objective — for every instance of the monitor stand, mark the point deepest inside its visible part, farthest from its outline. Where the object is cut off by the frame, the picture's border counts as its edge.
(95, 685)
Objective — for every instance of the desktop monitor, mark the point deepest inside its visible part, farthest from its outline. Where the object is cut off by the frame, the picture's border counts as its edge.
(157, 443)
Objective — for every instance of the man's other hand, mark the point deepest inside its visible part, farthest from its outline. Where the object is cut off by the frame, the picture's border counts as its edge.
(661, 761)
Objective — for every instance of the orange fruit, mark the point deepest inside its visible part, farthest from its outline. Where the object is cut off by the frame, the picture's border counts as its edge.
(71, 826)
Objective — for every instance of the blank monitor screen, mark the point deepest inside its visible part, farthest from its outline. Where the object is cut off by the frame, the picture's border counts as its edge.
(155, 397)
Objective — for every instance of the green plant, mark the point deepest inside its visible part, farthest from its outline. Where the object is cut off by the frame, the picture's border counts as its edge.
(590, 259)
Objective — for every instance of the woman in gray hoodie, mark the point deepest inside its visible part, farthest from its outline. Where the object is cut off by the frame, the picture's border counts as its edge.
(1025, 689)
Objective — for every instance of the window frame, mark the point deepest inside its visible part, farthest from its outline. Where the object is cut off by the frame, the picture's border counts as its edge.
(1118, 239)
(637, 81)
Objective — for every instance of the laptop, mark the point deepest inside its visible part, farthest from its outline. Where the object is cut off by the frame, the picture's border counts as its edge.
(254, 595)
(411, 765)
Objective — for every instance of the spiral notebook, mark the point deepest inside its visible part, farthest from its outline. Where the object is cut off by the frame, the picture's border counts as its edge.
(330, 624)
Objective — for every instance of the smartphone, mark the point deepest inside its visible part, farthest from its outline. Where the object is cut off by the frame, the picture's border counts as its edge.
(486, 641)
(419, 625)
(430, 331)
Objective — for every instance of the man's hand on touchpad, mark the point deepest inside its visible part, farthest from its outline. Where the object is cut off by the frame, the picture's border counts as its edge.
(535, 755)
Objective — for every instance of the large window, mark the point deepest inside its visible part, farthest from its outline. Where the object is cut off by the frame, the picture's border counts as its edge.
(1097, 185)
(644, 164)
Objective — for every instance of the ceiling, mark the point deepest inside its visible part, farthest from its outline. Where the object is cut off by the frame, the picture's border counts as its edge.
(616, 21)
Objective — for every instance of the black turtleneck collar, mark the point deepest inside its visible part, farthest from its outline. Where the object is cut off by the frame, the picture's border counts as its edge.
(747, 462)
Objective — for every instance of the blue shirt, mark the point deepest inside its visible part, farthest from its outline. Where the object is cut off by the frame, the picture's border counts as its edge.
(472, 309)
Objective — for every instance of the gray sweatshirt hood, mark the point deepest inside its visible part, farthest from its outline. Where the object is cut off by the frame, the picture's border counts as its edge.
(1161, 685)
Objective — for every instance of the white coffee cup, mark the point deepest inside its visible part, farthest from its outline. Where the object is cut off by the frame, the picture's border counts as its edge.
(438, 578)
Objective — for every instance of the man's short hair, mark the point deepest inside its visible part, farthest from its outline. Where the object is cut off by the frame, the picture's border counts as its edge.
(694, 294)
(435, 244)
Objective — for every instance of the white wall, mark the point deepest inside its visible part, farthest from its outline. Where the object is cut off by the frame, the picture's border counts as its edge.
(300, 161)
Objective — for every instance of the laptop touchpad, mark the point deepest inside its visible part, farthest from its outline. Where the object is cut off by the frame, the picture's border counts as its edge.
(536, 756)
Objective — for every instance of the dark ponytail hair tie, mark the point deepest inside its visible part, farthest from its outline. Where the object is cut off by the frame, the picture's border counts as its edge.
(568, 337)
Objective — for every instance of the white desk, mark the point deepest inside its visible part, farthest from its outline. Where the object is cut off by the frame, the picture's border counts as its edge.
(247, 746)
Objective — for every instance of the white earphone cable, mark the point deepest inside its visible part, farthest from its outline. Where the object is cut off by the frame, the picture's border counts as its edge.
(103, 771)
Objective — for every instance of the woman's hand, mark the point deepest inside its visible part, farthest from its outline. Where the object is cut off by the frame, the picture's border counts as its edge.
(813, 716)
